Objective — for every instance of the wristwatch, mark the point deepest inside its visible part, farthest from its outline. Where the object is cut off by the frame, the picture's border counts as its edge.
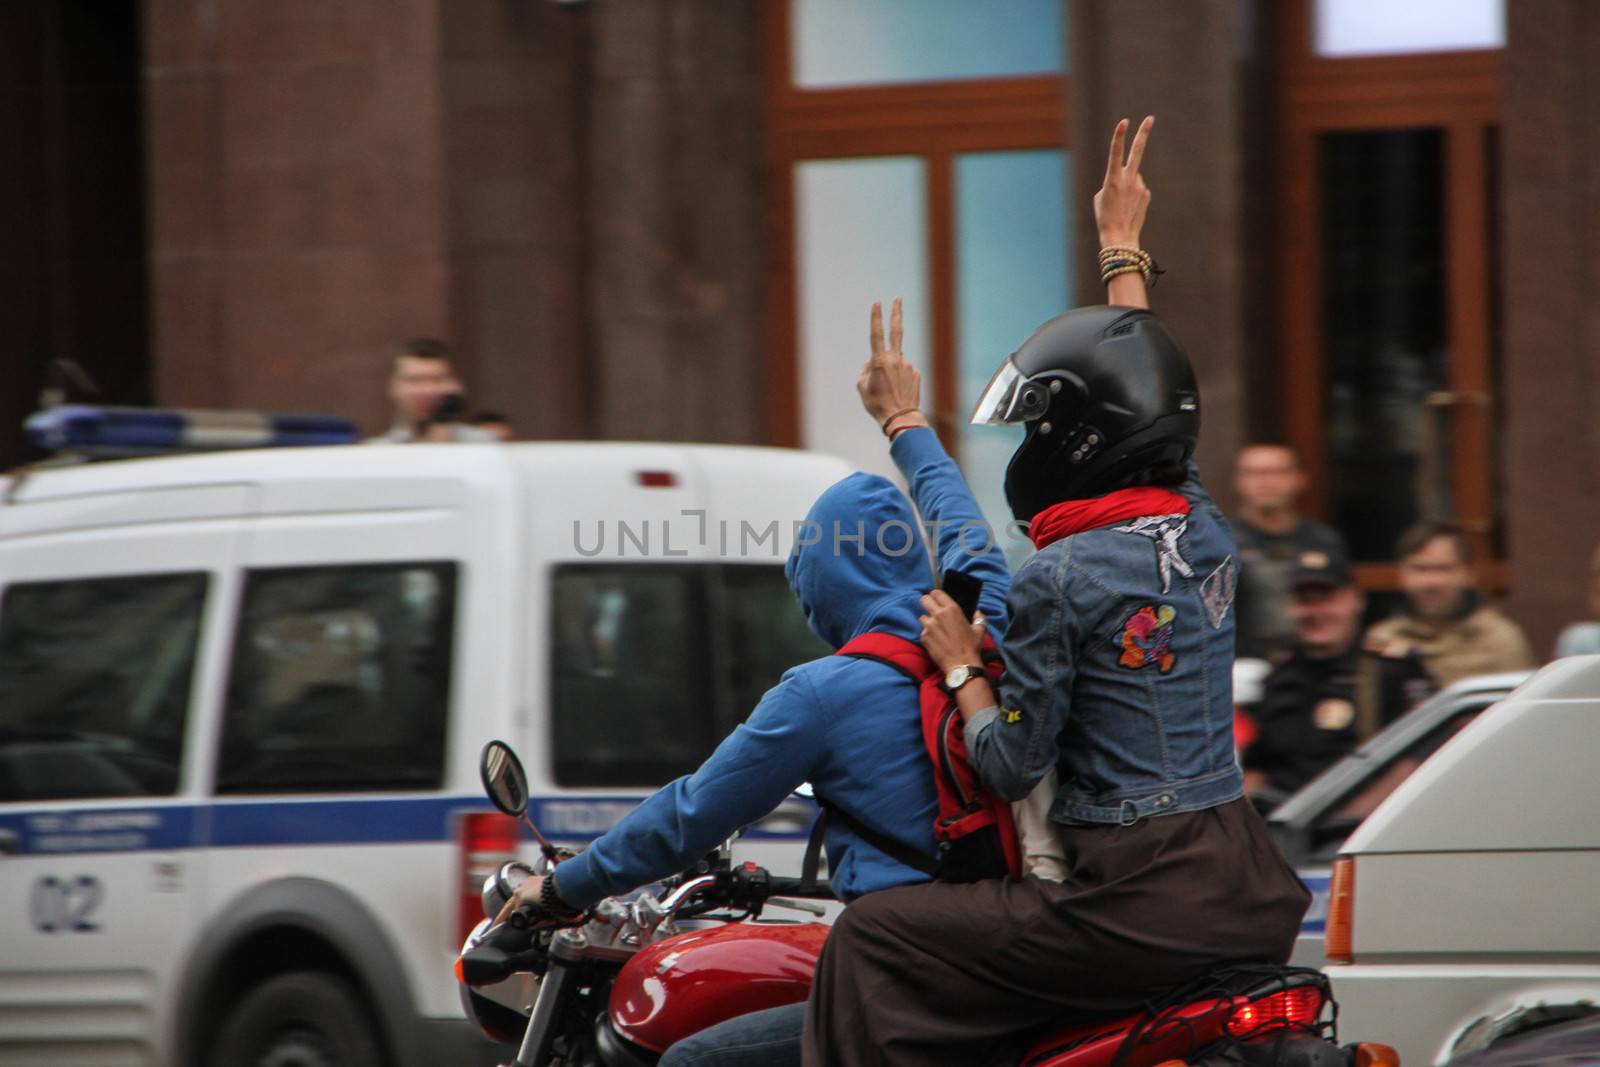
(551, 903)
(961, 676)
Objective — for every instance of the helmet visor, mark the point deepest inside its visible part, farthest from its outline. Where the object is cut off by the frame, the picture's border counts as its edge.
(1010, 398)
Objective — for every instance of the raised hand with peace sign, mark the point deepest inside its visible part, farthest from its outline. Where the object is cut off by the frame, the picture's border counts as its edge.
(889, 386)
(1119, 209)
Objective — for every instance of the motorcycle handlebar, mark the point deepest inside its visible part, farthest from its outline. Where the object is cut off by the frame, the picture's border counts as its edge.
(796, 887)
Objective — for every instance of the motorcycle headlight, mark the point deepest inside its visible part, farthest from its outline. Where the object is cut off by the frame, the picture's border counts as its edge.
(502, 884)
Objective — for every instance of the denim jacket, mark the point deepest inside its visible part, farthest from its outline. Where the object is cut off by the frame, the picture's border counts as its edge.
(1119, 671)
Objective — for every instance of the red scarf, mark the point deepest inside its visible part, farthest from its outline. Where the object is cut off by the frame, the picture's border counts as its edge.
(1075, 516)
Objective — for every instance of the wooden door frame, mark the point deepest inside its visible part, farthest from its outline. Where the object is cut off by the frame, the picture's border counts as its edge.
(933, 120)
(1459, 93)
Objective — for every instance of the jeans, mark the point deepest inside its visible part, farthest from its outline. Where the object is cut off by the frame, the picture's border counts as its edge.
(769, 1038)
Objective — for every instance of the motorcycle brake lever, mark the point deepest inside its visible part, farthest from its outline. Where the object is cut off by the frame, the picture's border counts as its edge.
(798, 905)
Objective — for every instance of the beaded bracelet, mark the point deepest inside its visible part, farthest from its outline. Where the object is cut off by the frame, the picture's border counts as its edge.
(1116, 260)
(1132, 268)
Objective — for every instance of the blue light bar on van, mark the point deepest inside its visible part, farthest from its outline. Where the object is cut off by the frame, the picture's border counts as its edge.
(111, 431)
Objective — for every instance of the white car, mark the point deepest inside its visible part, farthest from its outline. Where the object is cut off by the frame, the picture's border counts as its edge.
(243, 695)
(1470, 899)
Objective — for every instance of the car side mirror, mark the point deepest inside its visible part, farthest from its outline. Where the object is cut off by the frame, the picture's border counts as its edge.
(504, 780)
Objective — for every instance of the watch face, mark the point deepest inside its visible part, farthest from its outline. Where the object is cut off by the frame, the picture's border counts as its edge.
(956, 678)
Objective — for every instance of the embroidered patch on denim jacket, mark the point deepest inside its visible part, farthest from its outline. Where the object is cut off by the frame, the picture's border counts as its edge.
(1147, 639)
(1164, 531)
(1218, 590)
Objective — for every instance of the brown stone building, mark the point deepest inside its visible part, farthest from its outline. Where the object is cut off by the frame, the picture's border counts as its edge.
(664, 219)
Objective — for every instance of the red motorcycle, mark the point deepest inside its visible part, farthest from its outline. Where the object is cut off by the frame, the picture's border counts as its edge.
(642, 974)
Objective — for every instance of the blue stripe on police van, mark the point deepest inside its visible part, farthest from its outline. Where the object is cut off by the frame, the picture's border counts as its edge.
(74, 830)
(335, 822)
(345, 820)
(371, 821)
(1316, 918)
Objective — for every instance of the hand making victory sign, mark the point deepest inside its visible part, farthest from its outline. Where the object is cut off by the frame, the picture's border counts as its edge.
(889, 386)
(1119, 209)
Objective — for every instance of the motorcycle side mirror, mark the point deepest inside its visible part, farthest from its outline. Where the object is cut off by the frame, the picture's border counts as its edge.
(504, 780)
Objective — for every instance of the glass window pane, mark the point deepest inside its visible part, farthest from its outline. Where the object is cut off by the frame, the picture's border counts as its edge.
(1378, 27)
(861, 228)
(94, 685)
(1383, 321)
(1012, 235)
(340, 680)
(631, 693)
(766, 635)
(849, 42)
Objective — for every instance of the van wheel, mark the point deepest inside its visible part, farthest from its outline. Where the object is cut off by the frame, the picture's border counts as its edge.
(300, 1019)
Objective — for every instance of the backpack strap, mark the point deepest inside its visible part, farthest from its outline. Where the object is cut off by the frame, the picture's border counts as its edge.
(895, 850)
(907, 657)
(813, 857)
(938, 713)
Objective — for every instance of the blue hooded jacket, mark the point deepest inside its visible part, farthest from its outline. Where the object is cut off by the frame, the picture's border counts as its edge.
(850, 727)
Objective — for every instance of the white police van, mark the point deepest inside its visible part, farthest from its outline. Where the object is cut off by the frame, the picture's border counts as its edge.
(242, 698)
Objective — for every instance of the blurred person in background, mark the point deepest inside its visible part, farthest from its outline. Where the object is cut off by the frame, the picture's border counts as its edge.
(1326, 697)
(1446, 626)
(493, 422)
(1583, 638)
(427, 397)
(1271, 535)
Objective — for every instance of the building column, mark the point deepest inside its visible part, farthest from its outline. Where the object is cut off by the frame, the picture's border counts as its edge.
(1199, 67)
(676, 247)
(1549, 275)
(568, 193)
(296, 228)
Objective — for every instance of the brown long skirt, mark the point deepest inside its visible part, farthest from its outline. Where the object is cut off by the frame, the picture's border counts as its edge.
(960, 974)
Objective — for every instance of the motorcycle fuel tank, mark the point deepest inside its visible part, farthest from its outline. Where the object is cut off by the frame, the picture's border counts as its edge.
(686, 983)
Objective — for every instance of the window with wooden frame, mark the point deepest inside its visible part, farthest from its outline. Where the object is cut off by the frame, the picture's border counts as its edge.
(916, 148)
(1391, 332)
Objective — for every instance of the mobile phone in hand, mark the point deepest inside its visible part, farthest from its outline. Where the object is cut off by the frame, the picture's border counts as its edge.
(963, 589)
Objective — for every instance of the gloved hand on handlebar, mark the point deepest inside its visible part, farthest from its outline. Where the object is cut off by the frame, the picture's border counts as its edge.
(537, 900)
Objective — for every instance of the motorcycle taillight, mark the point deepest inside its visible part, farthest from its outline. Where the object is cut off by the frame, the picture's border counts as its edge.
(488, 839)
(1297, 1008)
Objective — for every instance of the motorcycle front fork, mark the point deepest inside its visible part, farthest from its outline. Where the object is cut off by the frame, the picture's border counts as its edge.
(554, 991)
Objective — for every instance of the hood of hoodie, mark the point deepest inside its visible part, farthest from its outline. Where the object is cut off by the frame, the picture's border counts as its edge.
(860, 563)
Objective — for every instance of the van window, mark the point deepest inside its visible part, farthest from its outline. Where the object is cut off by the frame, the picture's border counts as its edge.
(340, 680)
(95, 676)
(765, 634)
(653, 664)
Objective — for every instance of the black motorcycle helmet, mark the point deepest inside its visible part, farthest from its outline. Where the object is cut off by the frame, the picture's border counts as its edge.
(1104, 393)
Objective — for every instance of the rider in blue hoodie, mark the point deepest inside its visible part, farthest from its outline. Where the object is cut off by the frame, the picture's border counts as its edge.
(851, 727)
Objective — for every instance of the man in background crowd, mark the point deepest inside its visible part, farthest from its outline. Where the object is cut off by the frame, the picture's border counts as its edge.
(1446, 626)
(427, 397)
(1326, 697)
(1271, 535)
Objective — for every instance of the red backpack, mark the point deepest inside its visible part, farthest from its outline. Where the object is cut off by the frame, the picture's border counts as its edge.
(976, 836)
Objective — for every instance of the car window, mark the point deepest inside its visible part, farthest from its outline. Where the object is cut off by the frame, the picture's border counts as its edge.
(653, 664)
(95, 678)
(339, 680)
(1343, 816)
